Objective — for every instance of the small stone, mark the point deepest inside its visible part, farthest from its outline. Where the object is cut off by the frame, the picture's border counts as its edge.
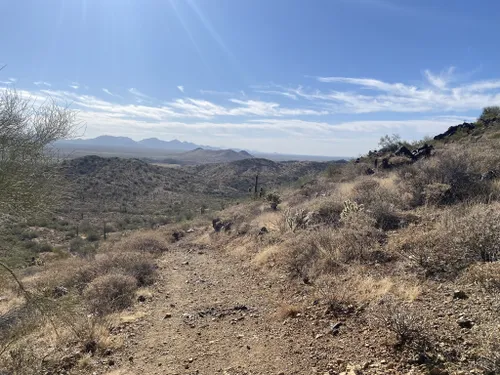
(141, 298)
(318, 336)
(167, 316)
(240, 336)
(465, 323)
(111, 362)
(460, 294)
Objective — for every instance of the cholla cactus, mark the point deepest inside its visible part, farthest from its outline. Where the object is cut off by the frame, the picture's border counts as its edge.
(350, 207)
(295, 219)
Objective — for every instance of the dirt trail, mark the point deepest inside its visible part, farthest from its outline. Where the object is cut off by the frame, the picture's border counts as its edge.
(213, 314)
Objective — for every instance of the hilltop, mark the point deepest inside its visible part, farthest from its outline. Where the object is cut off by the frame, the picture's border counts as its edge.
(202, 156)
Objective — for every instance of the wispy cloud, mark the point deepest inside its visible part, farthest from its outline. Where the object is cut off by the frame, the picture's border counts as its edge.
(180, 88)
(214, 92)
(9, 81)
(438, 93)
(74, 85)
(110, 93)
(42, 83)
(440, 80)
(140, 97)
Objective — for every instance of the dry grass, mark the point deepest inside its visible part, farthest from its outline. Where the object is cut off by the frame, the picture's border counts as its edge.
(286, 311)
(145, 242)
(109, 293)
(485, 274)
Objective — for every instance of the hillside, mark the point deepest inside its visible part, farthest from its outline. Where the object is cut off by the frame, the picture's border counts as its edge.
(389, 264)
(202, 156)
(240, 175)
(115, 189)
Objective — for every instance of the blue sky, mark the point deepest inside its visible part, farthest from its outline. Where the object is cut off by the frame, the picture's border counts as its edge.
(306, 77)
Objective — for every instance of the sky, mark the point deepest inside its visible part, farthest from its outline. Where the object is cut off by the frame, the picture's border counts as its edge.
(316, 77)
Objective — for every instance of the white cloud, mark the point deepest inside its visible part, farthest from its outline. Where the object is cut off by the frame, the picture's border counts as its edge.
(439, 93)
(74, 85)
(429, 107)
(42, 83)
(441, 80)
(136, 92)
(9, 81)
(214, 92)
(180, 88)
(110, 93)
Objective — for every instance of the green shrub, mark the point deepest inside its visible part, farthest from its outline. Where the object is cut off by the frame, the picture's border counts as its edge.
(274, 199)
(92, 237)
(82, 248)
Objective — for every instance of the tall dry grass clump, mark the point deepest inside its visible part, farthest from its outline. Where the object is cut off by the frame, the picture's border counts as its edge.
(110, 292)
(325, 250)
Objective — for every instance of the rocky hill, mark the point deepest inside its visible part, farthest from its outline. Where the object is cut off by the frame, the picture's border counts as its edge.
(203, 156)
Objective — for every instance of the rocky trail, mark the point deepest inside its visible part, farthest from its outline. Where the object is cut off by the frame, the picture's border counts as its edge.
(213, 313)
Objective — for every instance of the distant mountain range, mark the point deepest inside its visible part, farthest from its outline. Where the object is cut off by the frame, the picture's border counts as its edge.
(125, 142)
(170, 152)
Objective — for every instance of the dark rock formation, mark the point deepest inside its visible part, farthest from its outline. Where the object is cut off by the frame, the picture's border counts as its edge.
(453, 129)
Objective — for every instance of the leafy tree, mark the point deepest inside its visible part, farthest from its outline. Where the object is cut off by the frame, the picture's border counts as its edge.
(28, 161)
(390, 143)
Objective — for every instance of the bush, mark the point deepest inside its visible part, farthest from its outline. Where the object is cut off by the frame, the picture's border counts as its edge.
(456, 168)
(437, 193)
(325, 250)
(406, 323)
(151, 242)
(109, 293)
(274, 199)
(82, 248)
(460, 238)
(490, 114)
(487, 275)
(329, 212)
(379, 202)
(93, 236)
(44, 247)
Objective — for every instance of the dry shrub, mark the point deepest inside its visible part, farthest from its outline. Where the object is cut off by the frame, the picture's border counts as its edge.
(380, 202)
(78, 273)
(398, 161)
(489, 352)
(351, 290)
(286, 311)
(329, 212)
(322, 251)
(478, 233)
(109, 293)
(455, 167)
(350, 171)
(460, 237)
(150, 242)
(407, 323)
(486, 275)
(437, 193)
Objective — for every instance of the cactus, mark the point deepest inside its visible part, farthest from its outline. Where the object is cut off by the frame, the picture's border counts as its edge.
(350, 207)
